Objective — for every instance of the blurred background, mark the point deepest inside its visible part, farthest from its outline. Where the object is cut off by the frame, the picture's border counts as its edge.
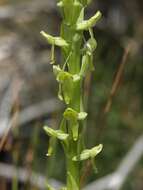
(28, 94)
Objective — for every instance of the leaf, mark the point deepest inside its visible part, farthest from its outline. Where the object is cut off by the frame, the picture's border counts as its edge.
(56, 133)
(58, 41)
(86, 24)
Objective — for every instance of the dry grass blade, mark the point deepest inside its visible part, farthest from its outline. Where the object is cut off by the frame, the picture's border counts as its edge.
(8, 105)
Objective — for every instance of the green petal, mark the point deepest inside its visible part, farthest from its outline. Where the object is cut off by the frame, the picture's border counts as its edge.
(82, 115)
(84, 66)
(58, 41)
(52, 143)
(83, 156)
(91, 45)
(56, 133)
(71, 114)
(75, 127)
(86, 24)
(96, 150)
(88, 153)
(63, 75)
(56, 70)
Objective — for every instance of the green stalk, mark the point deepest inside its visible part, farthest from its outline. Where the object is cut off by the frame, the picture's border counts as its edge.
(68, 33)
(76, 63)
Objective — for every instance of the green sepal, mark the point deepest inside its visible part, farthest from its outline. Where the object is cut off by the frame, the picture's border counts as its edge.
(65, 80)
(61, 75)
(51, 146)
(58, 41)
(81, 16)
(85, 65)
(91, 46)
(87, 59)
(56, 70)
(63, 125)
(83, 156)
(75, 128)
(88, 153)
(67, 90)
(71, 114)
(60, 96)
(86, 24)
(72, 183)
(76, 78)
(56, 133)
(82, 115)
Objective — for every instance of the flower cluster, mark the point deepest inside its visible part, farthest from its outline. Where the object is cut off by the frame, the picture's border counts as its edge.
(77, 62)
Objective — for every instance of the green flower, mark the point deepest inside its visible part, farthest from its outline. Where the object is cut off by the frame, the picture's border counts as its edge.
(58, 41)
(66, 81)
(87, 24)
(88, 153)
(56, 133)
(73, 116)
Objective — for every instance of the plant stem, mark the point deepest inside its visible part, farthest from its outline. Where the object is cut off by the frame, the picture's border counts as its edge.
(77, 61)
(68, 33)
